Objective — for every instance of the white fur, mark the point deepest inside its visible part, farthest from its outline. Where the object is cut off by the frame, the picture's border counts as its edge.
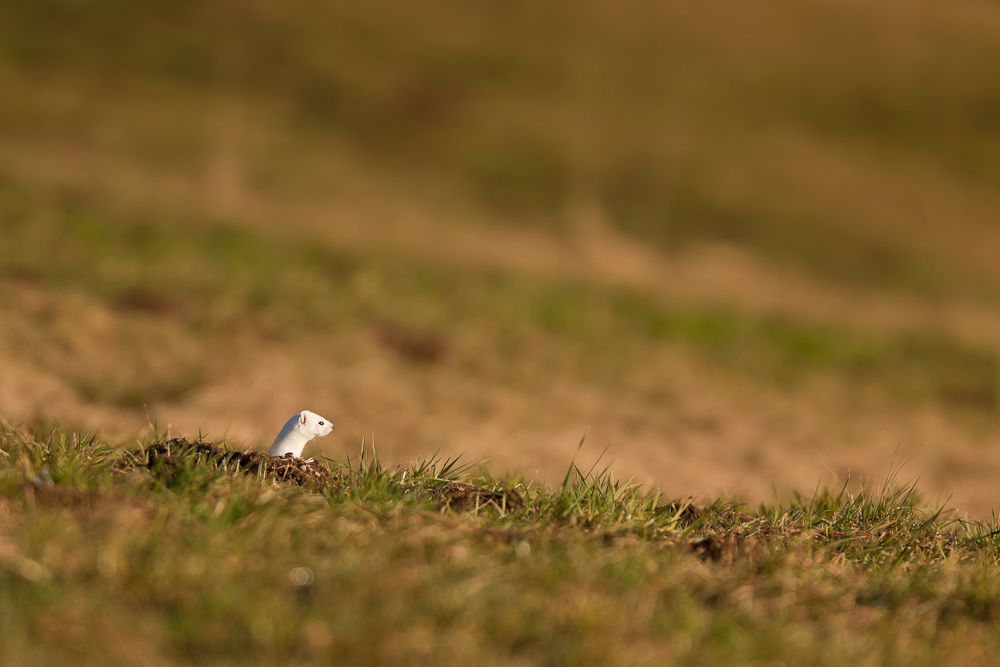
(299, 430)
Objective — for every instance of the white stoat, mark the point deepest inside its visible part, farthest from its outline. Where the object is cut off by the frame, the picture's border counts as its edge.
(299, 430)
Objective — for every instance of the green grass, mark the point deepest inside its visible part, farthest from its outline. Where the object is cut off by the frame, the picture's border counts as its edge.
(104, 562)
(189, 282)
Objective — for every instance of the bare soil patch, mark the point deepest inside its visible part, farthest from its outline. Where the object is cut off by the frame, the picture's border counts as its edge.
(465, 497)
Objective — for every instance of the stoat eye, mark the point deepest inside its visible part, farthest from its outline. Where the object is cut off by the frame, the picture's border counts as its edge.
(321, 423)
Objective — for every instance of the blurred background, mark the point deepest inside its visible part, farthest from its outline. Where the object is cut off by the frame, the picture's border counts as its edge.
(748, 249)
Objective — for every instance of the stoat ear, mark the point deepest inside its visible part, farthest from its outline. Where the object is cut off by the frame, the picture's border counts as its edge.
(302, 418)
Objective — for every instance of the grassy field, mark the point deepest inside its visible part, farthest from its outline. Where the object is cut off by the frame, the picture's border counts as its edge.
(748, 264)
(149, 556)
(746, 252)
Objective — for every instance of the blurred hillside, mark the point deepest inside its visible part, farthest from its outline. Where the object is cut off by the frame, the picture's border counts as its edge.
(747, 246)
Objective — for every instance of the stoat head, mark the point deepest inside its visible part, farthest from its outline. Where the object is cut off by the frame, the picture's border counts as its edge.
(313, 425)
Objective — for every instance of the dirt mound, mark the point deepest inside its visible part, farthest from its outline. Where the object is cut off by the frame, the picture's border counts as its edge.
(288, 469)
(175, 454)
(463, 497)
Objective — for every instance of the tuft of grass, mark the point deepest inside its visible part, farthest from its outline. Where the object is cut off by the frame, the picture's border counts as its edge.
(55, 457)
